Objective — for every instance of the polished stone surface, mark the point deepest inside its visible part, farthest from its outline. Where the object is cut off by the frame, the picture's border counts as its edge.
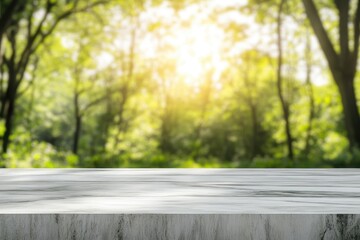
(179, 204)
(180, 191)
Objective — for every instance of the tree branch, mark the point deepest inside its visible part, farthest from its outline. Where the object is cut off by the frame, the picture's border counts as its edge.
(92, 103)
(321, 34)
(64, 15)
(33, 45)
(30, 22)
(96, 101)
(356, 34)
(343, 8)
(33, 76)
(7, 15)
(25, 55)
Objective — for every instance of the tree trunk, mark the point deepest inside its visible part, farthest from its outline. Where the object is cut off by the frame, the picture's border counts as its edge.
(108, 120)
(78, 122)
(254, 148)
(77, 115)
(342, 65)
(8, 108)
(284, 104)
(204, 100)
(351, 112)
(311, 117)
(9, 113)
(255, 145)
(310, 90)
(165, 133)
(8, 124)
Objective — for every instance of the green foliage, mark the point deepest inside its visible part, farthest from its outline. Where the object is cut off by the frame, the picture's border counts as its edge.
(158, 84)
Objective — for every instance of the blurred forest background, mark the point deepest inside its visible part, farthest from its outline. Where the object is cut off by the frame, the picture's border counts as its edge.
(179, 83)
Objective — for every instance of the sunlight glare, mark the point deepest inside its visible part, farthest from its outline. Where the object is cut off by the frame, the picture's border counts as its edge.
(104, 59)
(198, 52)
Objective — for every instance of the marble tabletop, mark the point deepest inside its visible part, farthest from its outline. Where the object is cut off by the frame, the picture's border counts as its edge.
(180, 191)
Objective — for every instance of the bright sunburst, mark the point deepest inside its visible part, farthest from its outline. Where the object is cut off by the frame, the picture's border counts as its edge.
(198, 53)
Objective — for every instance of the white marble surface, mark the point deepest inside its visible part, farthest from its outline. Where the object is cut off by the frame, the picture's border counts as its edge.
(180, 191)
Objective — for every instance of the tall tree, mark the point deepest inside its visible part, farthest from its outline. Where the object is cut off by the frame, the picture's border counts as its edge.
(284, 102)
(83, 85)
(342, 63)
(204, 100)
(36, 32)
(251, 100)
(310, 91)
